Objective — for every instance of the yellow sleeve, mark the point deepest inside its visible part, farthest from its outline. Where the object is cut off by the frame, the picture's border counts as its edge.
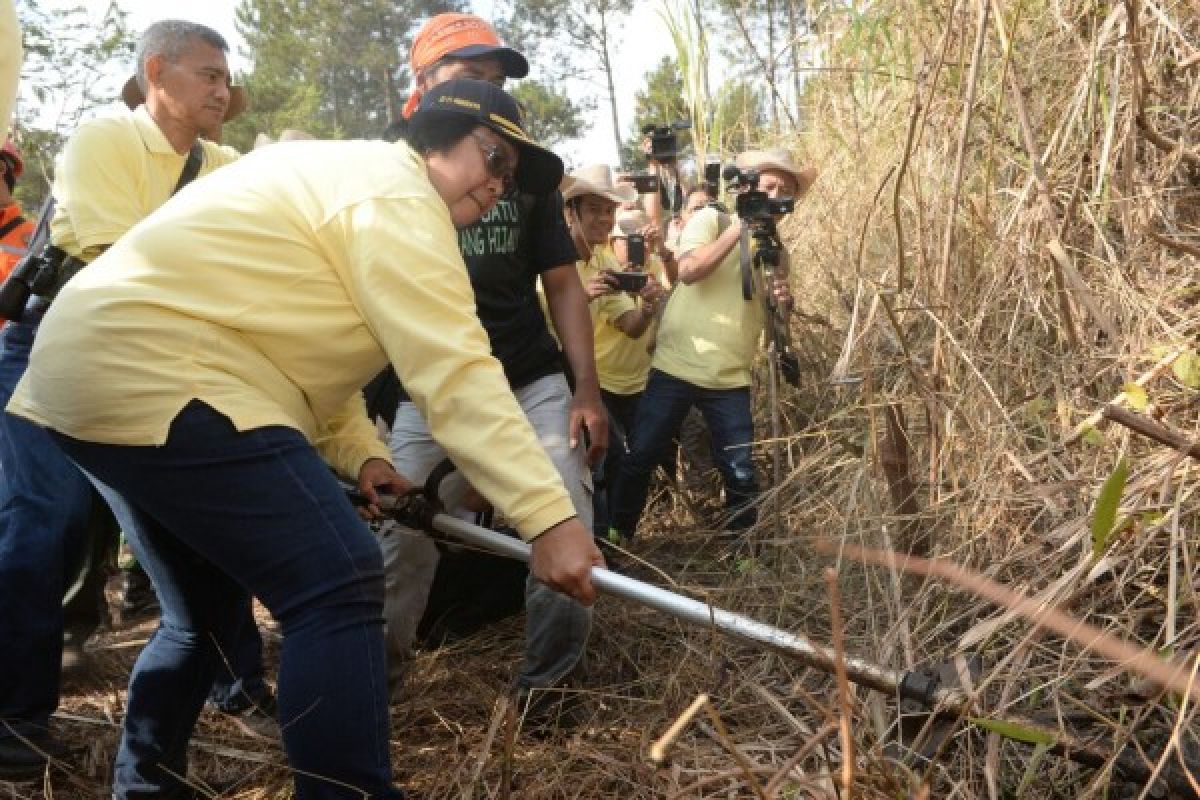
(217, 156)
(703, 228)
(348, 439)
(94, 182)
(411, 287)
(10, 63)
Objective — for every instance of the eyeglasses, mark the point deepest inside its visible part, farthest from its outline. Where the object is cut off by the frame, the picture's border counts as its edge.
(497, 162)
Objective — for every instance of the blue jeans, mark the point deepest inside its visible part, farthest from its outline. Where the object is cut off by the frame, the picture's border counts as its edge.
(44, 505)
(664, 404)
(622, 411)
(215, 516)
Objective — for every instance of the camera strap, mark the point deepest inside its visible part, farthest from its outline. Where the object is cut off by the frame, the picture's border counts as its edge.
(11, 225)
(191, 167)
(747, 265)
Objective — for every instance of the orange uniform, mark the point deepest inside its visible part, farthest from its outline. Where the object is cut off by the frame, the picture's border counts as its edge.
(15, 231)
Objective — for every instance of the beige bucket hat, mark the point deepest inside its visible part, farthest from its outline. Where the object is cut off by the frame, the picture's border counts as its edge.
(239, 101)
(598, 180)
(629, 221)
(287, 135)
(780, 160)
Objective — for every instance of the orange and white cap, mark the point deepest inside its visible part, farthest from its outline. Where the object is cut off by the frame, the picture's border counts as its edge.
(459, 36)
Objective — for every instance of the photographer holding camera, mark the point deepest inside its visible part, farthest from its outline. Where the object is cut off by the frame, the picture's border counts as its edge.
(707, 342)
(624, 294)
(661, 148)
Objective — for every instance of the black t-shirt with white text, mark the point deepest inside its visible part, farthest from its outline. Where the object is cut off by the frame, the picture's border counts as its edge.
(505, 252)
(519, 239)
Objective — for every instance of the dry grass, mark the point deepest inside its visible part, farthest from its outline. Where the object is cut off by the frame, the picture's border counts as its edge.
(1047, 242)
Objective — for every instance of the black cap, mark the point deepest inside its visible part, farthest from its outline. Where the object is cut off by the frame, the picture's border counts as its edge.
(539, 171)
(515, 65)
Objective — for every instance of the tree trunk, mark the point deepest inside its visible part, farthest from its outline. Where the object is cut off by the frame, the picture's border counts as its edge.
(794, 48)
(893, 458)
(606, 60)
(771, 64)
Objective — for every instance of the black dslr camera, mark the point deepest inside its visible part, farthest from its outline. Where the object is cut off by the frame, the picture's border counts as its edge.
(753, 205)
(664, 140)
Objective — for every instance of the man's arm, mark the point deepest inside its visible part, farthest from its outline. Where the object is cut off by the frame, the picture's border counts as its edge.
(700, 262)
(568, 310)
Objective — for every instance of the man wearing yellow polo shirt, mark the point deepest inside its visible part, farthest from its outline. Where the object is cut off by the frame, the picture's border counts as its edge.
(621, 325)
(704, 352)
(112, 173)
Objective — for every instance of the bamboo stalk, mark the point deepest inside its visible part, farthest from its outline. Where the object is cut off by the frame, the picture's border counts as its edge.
(1152, 429)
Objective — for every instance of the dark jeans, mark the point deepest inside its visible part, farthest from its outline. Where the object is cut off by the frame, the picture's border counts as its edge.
(622, 409)
(44, 507)
(216, 516)
(663, 406)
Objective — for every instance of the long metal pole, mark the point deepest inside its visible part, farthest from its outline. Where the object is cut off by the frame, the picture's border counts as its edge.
(1127, 763)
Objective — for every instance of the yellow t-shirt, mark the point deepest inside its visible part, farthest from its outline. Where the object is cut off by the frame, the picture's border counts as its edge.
(113, 172)
(622, 363)
(10, 63)
(709, 332)
(273, 290)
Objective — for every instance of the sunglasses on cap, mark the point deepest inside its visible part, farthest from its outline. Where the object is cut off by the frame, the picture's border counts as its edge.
(497, 162)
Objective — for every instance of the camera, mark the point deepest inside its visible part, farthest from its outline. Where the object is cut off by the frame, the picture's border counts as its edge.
(664, 140)
(629, 281)
(712, 178)
(643, 182)
(37, 273)
(635, 243)
(752, 205)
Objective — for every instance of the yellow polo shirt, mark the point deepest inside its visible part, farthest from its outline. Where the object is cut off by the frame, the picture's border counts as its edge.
(622, 363)
(709, 333)
(112, 173)
(273, 290)
(10, 63)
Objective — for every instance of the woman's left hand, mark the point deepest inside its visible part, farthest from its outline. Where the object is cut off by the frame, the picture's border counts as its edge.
(377, 475)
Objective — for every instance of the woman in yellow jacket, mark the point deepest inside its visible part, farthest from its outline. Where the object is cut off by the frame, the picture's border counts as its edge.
(223, 342)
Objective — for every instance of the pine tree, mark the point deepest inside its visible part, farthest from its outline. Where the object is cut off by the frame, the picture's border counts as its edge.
(69, 68)
(551, 117)
(335, 68)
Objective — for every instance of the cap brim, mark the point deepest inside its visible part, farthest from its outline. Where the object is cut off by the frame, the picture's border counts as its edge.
(621, 193)
(515, 65)
(539, 171)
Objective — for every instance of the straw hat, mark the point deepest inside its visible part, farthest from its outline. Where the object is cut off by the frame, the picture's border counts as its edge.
(629, 221)
(287, 135)
(780, 160)
(598, 180)
(239, 101)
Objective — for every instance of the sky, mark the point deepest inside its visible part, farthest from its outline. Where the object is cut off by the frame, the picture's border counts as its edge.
(644, 42)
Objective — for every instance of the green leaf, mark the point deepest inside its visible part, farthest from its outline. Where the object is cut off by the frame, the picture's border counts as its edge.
(1187, 369)
(1014, 731)
(1104, 515)
(1138, 399)
(1093, 437)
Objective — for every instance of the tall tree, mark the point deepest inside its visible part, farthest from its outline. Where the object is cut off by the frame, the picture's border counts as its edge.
(73, 64)
(576, 38)
(768, 44)
(332, 67)
(659, 102)
(551, 117)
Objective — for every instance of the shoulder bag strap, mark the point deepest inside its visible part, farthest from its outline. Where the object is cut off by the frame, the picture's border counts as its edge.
(191, 167)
